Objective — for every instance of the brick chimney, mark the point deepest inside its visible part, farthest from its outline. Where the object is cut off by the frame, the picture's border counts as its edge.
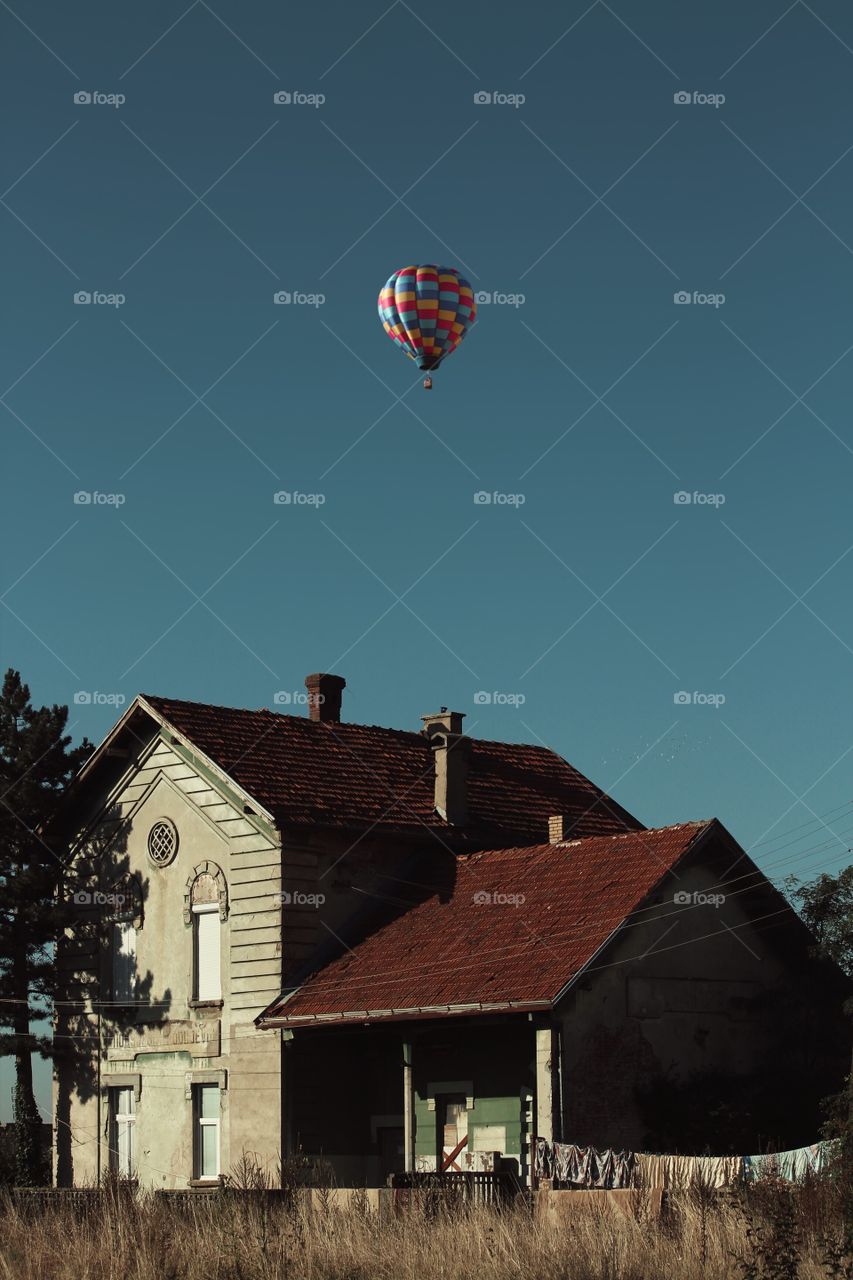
(558, 829)
(451, 754)
(324, 697)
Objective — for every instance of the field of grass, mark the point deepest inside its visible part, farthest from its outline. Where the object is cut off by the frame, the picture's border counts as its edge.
(771, 1232)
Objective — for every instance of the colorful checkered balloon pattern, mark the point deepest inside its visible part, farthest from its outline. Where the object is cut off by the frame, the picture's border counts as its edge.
(427, 311)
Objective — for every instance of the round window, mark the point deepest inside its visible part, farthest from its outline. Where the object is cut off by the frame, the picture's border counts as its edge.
(162, 842)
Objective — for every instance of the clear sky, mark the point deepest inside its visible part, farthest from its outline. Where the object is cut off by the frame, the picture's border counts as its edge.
(185, 197)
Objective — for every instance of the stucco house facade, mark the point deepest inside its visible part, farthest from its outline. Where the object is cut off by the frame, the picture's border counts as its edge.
(379, 949)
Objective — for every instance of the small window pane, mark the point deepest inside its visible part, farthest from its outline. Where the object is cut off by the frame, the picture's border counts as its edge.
(125, 1150)
(124, 1102)
(122, 1129)
(208, 1101)
(209, 1152)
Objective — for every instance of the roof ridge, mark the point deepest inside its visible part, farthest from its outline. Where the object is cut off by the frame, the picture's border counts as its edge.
(646, 831)
(637, 834)
(334, 726)
(337, 773)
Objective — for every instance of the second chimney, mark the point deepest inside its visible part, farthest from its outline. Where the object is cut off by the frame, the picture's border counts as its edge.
(324, 697)
(451, 754)
(558, 829)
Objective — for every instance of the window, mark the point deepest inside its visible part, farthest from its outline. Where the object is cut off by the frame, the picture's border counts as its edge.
(162, 842)
(206, 1130)
(124, 960)
(122, 1105)
(207, 982)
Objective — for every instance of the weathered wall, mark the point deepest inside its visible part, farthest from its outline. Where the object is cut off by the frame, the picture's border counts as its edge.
(341, 885)
(165, 1037)
(682, 992)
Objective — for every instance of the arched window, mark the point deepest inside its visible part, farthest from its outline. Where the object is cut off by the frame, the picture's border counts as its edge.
(206, 913)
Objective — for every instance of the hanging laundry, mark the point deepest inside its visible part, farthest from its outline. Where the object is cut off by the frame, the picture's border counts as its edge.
(619, 1171)
(792, 1166)
(543, 1161)
(681, 1173)
(586, 1167)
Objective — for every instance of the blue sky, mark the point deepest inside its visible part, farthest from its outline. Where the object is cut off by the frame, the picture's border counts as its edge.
(587, 397)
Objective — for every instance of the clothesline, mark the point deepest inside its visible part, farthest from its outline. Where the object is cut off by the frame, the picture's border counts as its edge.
(587, 1167)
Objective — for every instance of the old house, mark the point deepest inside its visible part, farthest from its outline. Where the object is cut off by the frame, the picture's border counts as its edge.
(387, 949)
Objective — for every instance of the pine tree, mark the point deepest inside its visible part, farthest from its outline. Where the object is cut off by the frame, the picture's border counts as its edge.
(36, 764)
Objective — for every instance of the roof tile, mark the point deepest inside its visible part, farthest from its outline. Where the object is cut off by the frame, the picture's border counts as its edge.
(519, 925)
(344, 775)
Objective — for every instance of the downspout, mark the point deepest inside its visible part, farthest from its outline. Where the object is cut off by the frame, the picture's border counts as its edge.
(408, 1110)
(558, 1108)
(287, 1100)
(100, 1097)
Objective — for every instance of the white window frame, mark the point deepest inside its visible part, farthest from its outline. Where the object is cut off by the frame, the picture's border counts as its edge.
(201, 1122)
(200, 910)
(125, 1121)
(124, 975)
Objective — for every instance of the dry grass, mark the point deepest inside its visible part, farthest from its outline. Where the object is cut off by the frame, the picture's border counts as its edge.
(770, 1234)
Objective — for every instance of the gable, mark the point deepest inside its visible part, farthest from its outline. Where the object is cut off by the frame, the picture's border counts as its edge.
(161, 785)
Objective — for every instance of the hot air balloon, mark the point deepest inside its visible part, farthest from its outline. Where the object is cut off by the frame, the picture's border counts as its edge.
(427, 311)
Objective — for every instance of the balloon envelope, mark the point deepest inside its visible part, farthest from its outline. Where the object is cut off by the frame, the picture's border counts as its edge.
(427, 311)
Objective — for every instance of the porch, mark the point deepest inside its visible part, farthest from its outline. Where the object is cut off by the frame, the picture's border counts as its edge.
(457, 1095)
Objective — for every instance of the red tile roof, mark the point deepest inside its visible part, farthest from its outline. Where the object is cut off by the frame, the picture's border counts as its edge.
(519, 925)
(347, 775)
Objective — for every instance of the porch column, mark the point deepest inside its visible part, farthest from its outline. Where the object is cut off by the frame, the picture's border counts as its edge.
(408, 1109)
(547, 1051)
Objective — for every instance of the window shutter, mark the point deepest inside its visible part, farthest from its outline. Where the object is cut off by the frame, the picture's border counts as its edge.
(208, 982)
(124, 960)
